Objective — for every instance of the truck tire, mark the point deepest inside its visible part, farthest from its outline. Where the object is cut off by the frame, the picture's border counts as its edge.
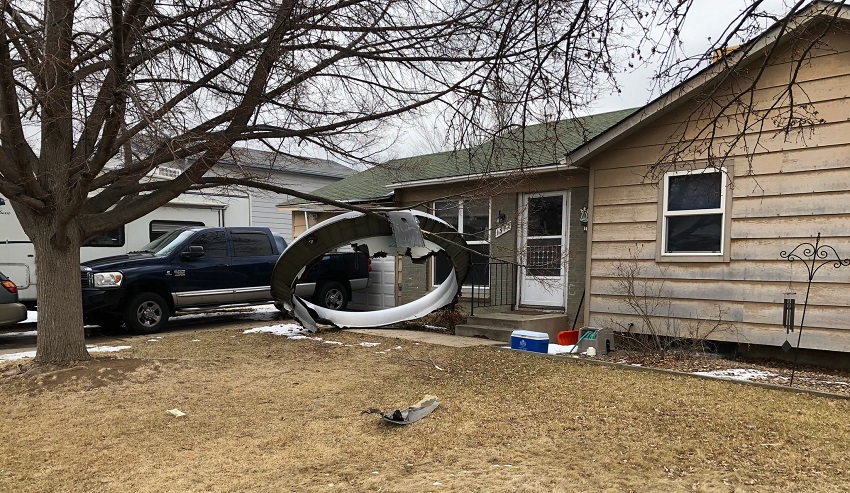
(332, 295)
(146, 313)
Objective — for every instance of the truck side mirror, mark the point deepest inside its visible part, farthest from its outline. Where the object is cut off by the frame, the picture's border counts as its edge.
(194, 251)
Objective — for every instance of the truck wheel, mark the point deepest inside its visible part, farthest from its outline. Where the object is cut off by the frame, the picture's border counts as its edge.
(332, 295)
(146, 313)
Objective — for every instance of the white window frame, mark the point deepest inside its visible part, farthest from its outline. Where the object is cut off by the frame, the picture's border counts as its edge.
(722, 210)
(466, 287)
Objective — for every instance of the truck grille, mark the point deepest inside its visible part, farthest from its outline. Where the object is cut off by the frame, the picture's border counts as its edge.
(85, 279)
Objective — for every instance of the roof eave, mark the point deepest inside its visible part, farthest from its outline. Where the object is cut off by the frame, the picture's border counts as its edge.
(497, 174)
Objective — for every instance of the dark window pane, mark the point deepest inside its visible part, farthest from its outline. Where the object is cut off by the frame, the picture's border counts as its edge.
(159, 228)
(251, 244)
(447, 210)
(543, 257)
(697, 191)
(545, 216)
(476, 218)
(698, 234)
(114, 238)
(479, 273)
(442, 268)
(214, 243)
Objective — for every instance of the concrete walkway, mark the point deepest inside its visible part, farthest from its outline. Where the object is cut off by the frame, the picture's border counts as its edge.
(429, 337)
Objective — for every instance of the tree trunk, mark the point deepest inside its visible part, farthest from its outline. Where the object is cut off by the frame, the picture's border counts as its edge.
(61, 337)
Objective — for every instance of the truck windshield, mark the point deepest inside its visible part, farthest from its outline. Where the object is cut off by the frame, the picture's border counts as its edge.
(167, 243)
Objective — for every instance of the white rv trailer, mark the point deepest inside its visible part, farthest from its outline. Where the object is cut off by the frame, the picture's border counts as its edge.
(17, 255)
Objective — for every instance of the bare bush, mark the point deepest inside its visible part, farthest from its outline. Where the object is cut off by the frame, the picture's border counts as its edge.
(662, 331)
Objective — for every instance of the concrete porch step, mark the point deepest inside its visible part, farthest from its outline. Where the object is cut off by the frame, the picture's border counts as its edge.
(541, 322)
(499, 325)
(485, 331)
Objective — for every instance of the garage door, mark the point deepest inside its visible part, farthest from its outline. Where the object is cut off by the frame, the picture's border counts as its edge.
(381, 293)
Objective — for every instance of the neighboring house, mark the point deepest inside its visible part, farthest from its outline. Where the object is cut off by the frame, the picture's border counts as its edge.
(700, 238)
(299, 173)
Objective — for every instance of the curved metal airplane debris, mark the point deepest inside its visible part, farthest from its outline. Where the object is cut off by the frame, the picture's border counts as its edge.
(415, 234)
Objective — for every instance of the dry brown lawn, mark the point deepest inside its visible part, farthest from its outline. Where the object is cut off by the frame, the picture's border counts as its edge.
(264, 413)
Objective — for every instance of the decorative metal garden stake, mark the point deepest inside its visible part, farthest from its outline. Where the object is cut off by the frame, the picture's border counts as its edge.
(814, 256)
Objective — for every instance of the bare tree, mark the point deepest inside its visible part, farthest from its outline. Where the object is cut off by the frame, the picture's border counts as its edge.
(185, 80)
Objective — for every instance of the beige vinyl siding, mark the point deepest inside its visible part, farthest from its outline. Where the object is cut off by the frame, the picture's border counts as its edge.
(785, 191)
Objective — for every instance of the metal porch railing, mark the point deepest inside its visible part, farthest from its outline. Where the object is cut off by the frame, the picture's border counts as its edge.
(499, 291)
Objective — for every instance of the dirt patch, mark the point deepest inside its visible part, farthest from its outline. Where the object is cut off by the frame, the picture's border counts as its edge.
(99, 372)
(266, 413)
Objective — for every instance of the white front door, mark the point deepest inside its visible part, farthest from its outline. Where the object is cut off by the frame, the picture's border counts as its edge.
(543, 250)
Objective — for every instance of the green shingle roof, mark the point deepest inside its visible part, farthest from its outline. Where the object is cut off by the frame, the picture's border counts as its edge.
(525, 148)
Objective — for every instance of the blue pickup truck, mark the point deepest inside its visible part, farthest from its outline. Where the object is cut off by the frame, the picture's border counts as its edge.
(200, 267)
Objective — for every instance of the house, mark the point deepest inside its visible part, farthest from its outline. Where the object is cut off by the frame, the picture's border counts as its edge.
(300, 173)
(489, 193)
(690, 203)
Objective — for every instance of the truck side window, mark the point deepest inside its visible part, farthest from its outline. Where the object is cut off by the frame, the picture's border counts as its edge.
(214, 243)
(159, 228)
(251, 244)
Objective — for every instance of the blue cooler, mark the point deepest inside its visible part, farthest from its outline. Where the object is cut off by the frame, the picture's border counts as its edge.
(528, 340)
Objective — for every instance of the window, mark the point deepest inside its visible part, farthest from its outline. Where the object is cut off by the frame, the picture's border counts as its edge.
(214, 243)
(114, 238)
(251, 244)
(159, 228)
(472, 219)
(694, 209)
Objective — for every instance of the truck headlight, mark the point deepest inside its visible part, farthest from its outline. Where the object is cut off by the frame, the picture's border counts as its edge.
(107, 279)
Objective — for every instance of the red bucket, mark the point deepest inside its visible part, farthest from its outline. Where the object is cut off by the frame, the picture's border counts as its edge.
(567, 337)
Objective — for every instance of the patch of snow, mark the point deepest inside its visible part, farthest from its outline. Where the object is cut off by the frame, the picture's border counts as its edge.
(106, 349)
(90, 347)
(32, 317)
(743, 374)
(559, 349)
(17, 356)
(253, 311)
(435, 327)
(293, 331)
(334, 342)
(153, 340)
(370, 344)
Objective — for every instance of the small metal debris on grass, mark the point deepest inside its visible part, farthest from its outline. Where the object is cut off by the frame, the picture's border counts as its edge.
(411, 414)
(176, 412)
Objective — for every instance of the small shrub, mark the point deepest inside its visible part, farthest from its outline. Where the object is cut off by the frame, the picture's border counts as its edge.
(446, 318)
